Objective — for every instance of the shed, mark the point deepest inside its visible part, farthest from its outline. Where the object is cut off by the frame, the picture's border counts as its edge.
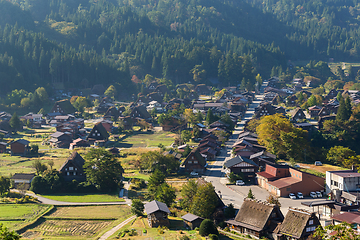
(23, 178)
(192, 221)
(157, 213)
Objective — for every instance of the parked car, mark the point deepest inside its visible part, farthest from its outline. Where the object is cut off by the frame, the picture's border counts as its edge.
(319, 195)
(240, 182)
(194, 174)
(313, 195)
(300, 195)
(292, 196)
(318, 163)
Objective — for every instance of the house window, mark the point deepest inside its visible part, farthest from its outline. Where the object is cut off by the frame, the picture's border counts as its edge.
(311, 222)
(195, 162)
(68, 173)
(310, 229)
(190, 162)
(74, 173)
(71, 168)
(95, 130)
(98, 134)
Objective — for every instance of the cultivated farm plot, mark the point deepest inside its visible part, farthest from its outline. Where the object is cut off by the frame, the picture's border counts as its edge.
(93, 212)
(74, 228)
(15, 215)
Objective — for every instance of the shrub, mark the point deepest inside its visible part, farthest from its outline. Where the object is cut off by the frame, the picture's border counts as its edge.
(207, 227)
(196, 229)
(213, 237)
(227, 229)
(222, 225)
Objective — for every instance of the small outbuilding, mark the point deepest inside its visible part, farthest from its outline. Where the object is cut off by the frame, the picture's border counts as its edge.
(23, 180)
(20, 147)
(157, 214)
(192, 221)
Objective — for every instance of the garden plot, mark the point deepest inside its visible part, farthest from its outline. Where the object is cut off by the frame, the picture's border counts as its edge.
(71, 228)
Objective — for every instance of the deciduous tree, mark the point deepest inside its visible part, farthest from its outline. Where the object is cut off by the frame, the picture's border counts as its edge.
(103, 169)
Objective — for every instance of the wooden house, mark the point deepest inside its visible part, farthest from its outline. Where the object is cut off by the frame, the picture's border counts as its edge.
(256, 218)
(241, 165)
(98, 133)
(111, 113)
(298, 224)
(20, 147)
(72, 169)
(63, 107)
(291, 100)
(202, 89)
(140, 112)
(194, 162)
(162, 90)
(265, 110)
(209, 153)
(60, 140)
(314, 111)
(157, 214)
(297, 115)
(192, 221)
(3, 147)
(23, 180)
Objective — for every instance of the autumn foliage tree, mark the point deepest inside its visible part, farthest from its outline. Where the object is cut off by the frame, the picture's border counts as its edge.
(281, 138)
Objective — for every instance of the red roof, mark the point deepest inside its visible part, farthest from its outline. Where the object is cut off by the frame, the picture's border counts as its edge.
(284, 182)
(349, 217)
(265, 175)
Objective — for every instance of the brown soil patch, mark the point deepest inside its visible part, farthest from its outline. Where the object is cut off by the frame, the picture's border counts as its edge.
(322, 169)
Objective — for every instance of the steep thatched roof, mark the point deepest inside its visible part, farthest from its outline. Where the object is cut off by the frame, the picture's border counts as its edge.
(254, 214)
(75, 159)
(295, 222)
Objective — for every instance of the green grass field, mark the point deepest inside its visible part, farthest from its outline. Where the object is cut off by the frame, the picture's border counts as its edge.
(15, 215)
(70, 197)
(145, 139)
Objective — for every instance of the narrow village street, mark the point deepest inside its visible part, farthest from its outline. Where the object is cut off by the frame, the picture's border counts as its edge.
(236, 194)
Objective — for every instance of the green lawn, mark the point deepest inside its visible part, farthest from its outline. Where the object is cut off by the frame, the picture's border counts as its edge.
(145, 139)
(70, 197)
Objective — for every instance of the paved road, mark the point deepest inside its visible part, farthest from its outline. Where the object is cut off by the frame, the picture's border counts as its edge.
(116, 228)
(215, 173)
(236, 194)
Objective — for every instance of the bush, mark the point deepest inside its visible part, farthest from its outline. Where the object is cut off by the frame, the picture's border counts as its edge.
(213, 237)
(222, 225)
(196, 229)
(137, 207)
(227, 229)
(207, 227)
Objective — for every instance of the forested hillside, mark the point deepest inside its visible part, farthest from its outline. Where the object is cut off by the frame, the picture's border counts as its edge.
(81, 43)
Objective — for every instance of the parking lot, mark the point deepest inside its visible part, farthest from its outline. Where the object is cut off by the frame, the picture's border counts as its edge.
(262, 194)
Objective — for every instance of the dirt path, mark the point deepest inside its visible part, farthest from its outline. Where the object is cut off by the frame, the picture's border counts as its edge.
(114, 229)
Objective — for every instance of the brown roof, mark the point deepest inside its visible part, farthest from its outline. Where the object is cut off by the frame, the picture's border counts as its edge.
(75, 159)
(265, 175)
(284, 182)
(254, 214)
(349, 217)
(295, 222)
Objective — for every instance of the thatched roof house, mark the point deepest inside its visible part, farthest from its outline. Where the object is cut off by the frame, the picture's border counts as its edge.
(298, 224)
(256, 218)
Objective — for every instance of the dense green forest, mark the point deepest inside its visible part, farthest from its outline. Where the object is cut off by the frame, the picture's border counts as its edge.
(85, 42)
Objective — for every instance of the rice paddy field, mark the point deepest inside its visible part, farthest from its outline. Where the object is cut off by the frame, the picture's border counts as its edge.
(78, 222)
(13, 216)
